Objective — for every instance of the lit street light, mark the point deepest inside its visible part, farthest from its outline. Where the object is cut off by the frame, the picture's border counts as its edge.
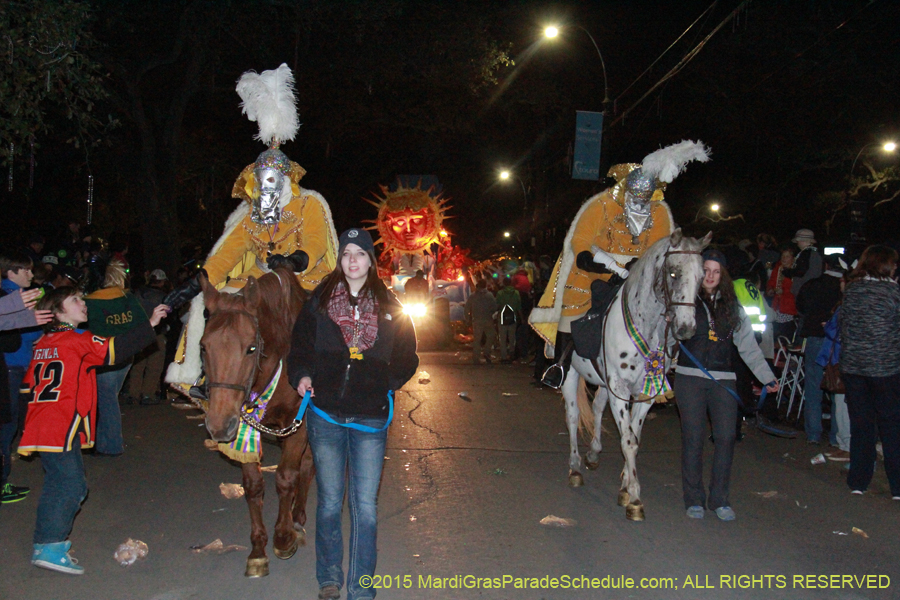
(506, 234)
(505, 176)
(552, 32)
(714, 208)
(887, 147)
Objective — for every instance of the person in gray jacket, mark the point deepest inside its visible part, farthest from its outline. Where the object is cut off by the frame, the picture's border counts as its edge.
(870, 366)
(721, 324)
(480, 309)
(808, 263)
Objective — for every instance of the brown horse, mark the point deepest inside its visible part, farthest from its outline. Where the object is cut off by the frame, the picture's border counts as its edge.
(247, 336)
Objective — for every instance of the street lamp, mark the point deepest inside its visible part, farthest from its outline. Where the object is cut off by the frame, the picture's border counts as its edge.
(552, 32)
(887, 147)
(714, 208)
(506, 234)
(505, 176)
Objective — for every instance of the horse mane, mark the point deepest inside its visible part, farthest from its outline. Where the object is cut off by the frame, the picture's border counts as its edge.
(280, 300)
(646, 265)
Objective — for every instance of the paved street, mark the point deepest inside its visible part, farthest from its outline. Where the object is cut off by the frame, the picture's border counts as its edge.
(464, 488)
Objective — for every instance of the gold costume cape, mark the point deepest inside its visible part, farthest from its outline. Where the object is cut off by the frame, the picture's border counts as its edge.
(241, 252)
(600, 222)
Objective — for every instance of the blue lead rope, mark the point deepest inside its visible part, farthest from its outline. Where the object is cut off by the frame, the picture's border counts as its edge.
(760, 424)
(365, 428)
(734, 394)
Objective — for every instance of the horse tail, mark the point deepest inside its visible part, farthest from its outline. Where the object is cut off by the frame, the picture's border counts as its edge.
(585, 410)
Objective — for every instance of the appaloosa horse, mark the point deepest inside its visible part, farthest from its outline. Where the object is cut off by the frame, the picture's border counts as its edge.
(651, 311)
(246, 338)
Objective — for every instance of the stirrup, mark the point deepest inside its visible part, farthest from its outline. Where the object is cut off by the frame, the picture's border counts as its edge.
(554, 376)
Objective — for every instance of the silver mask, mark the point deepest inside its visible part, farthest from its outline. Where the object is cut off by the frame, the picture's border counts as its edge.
(638, 192)
(272, 168)
(267, 208)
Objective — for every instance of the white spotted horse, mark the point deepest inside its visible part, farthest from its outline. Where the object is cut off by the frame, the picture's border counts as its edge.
(650, 313)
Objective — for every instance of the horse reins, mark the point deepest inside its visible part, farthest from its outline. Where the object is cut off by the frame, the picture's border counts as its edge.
(667, 302)
(247, 389)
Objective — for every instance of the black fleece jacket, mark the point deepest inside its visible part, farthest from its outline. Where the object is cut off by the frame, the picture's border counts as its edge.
(345, 387)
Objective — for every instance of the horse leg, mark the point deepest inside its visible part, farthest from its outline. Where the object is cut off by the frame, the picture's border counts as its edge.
(570, 391)
(287, 534)
(254, 492)
(592, 458)
(635, 509)
(307, 472)
(619, 410)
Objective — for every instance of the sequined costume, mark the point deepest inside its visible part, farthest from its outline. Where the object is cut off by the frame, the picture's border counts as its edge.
(601, 222)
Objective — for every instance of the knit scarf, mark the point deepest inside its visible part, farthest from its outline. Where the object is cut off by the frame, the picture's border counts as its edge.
(358, 320)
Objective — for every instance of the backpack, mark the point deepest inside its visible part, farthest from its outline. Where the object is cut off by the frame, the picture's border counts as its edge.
(507, 315)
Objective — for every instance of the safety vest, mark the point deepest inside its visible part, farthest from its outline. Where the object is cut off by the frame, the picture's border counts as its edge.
(751, 300)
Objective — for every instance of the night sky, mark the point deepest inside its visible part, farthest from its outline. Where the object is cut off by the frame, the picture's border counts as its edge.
(784, 93)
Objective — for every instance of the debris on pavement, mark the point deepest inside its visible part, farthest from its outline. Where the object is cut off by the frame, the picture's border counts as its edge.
(499, 471)
(424, 377)
(508, 394)
(186, 406)
(860, 532)
(195, 417)
(801, 505)
(818, 459)
(216, 547)
(269, 469)
(769, 494)
(211, 444)
(231, 490)
(126, 554)
(555, 521)
(464, 396)
(412, 518)
(840, 533)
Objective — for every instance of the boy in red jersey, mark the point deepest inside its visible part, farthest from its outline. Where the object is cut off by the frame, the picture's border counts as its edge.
(61, 413)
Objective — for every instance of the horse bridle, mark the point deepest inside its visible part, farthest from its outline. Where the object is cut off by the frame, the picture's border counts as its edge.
(258, 343)
(667, 302)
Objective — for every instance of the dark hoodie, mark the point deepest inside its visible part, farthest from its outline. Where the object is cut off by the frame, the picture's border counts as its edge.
(345, 387)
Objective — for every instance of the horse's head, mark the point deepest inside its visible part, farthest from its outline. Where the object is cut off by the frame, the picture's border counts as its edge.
(231, 348)
(680, 277)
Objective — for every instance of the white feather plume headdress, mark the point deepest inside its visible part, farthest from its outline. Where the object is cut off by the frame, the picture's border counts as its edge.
(667, 163)
(268, 98)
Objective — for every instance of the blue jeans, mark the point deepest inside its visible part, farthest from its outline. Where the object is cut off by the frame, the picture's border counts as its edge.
(65, 487)
(338, 451)
(812, 403)
(108, 439)
(8, 430)
(874, 406)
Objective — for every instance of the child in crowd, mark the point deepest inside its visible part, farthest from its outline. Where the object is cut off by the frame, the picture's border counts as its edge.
(62, 412)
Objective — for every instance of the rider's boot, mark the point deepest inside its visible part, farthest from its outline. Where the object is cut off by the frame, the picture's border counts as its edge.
(556, 374)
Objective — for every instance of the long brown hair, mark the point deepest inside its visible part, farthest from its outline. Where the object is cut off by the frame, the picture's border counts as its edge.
(373, 285)
(53, 301)
(876, 261)
(727, 310)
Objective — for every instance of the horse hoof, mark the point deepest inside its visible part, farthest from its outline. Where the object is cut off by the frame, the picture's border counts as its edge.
(592, 465)
(257, 567)
(299, 539)
(635, 511)
(624, 498)
(575, 479)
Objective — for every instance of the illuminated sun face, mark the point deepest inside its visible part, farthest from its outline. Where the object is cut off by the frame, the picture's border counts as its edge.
(409, 219)
(410, 228)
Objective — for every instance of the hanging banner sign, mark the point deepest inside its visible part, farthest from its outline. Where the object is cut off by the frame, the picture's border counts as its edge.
(588, 133)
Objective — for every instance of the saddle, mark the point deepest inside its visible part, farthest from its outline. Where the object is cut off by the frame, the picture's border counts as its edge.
(587, 332)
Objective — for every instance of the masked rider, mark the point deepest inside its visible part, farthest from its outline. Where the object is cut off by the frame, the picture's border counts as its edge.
(610, 231)
(278, 224)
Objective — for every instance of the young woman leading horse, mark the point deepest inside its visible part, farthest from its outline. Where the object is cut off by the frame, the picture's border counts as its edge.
(355, 345)
(243, 347)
